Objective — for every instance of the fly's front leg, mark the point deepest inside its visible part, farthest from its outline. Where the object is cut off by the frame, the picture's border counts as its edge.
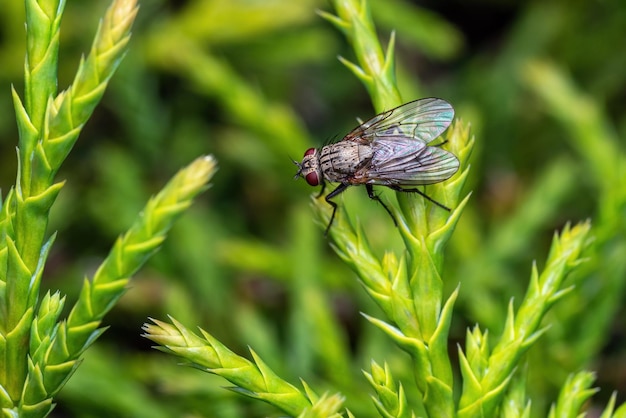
(342, 187)
(421, 193)
(370, 193)
(321, 191)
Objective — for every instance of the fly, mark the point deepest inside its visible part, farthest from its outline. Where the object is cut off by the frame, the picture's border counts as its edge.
(392, 149)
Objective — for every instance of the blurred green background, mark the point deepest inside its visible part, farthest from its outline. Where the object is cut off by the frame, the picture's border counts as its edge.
(543, 84)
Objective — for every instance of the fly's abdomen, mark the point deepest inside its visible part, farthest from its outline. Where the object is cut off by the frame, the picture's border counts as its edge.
(340, 161)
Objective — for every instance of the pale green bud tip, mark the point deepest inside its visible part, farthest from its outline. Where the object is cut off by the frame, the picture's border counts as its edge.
(120, 16)
(163, 333)
(379, 374)
(193, 178)
(202, 169)
(326, 406)
(116, 25)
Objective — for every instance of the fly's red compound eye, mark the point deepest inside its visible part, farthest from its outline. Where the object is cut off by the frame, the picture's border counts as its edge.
(309, 151)
(312, 178)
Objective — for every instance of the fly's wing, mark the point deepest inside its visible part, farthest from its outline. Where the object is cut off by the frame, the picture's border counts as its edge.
(403, 161)
(421, 120)
(399, 141)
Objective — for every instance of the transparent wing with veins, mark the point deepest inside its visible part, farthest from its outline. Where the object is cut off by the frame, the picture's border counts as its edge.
(422, 120)
(399, 139)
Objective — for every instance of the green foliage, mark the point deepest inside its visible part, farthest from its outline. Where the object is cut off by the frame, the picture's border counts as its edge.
(408, 288)
(253, 379)
(257, 83)
(39, 351)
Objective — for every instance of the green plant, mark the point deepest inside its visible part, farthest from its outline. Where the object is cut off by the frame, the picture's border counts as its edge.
(39, 350)
(410, 291)
(256, 83)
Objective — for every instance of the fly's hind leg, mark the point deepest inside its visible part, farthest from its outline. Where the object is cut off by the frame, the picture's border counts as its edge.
(421, 193)
(370, 193)
(341, 188)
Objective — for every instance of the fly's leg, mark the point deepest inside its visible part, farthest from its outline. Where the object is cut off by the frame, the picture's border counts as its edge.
(421, 193)
(341, 188)
(370, 193)
(321, 191)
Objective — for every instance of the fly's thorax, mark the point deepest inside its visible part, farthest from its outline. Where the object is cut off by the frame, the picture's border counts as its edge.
(310, 167)
(338, 162)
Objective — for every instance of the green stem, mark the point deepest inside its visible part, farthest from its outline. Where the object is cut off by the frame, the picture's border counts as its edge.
(377, 70)
(43, 25)
(48, 126)
(409, 289)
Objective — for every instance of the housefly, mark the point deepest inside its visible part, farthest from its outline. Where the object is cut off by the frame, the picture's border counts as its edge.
(392, 149)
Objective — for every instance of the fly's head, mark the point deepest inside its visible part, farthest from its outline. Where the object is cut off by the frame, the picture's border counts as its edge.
(309, 168)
